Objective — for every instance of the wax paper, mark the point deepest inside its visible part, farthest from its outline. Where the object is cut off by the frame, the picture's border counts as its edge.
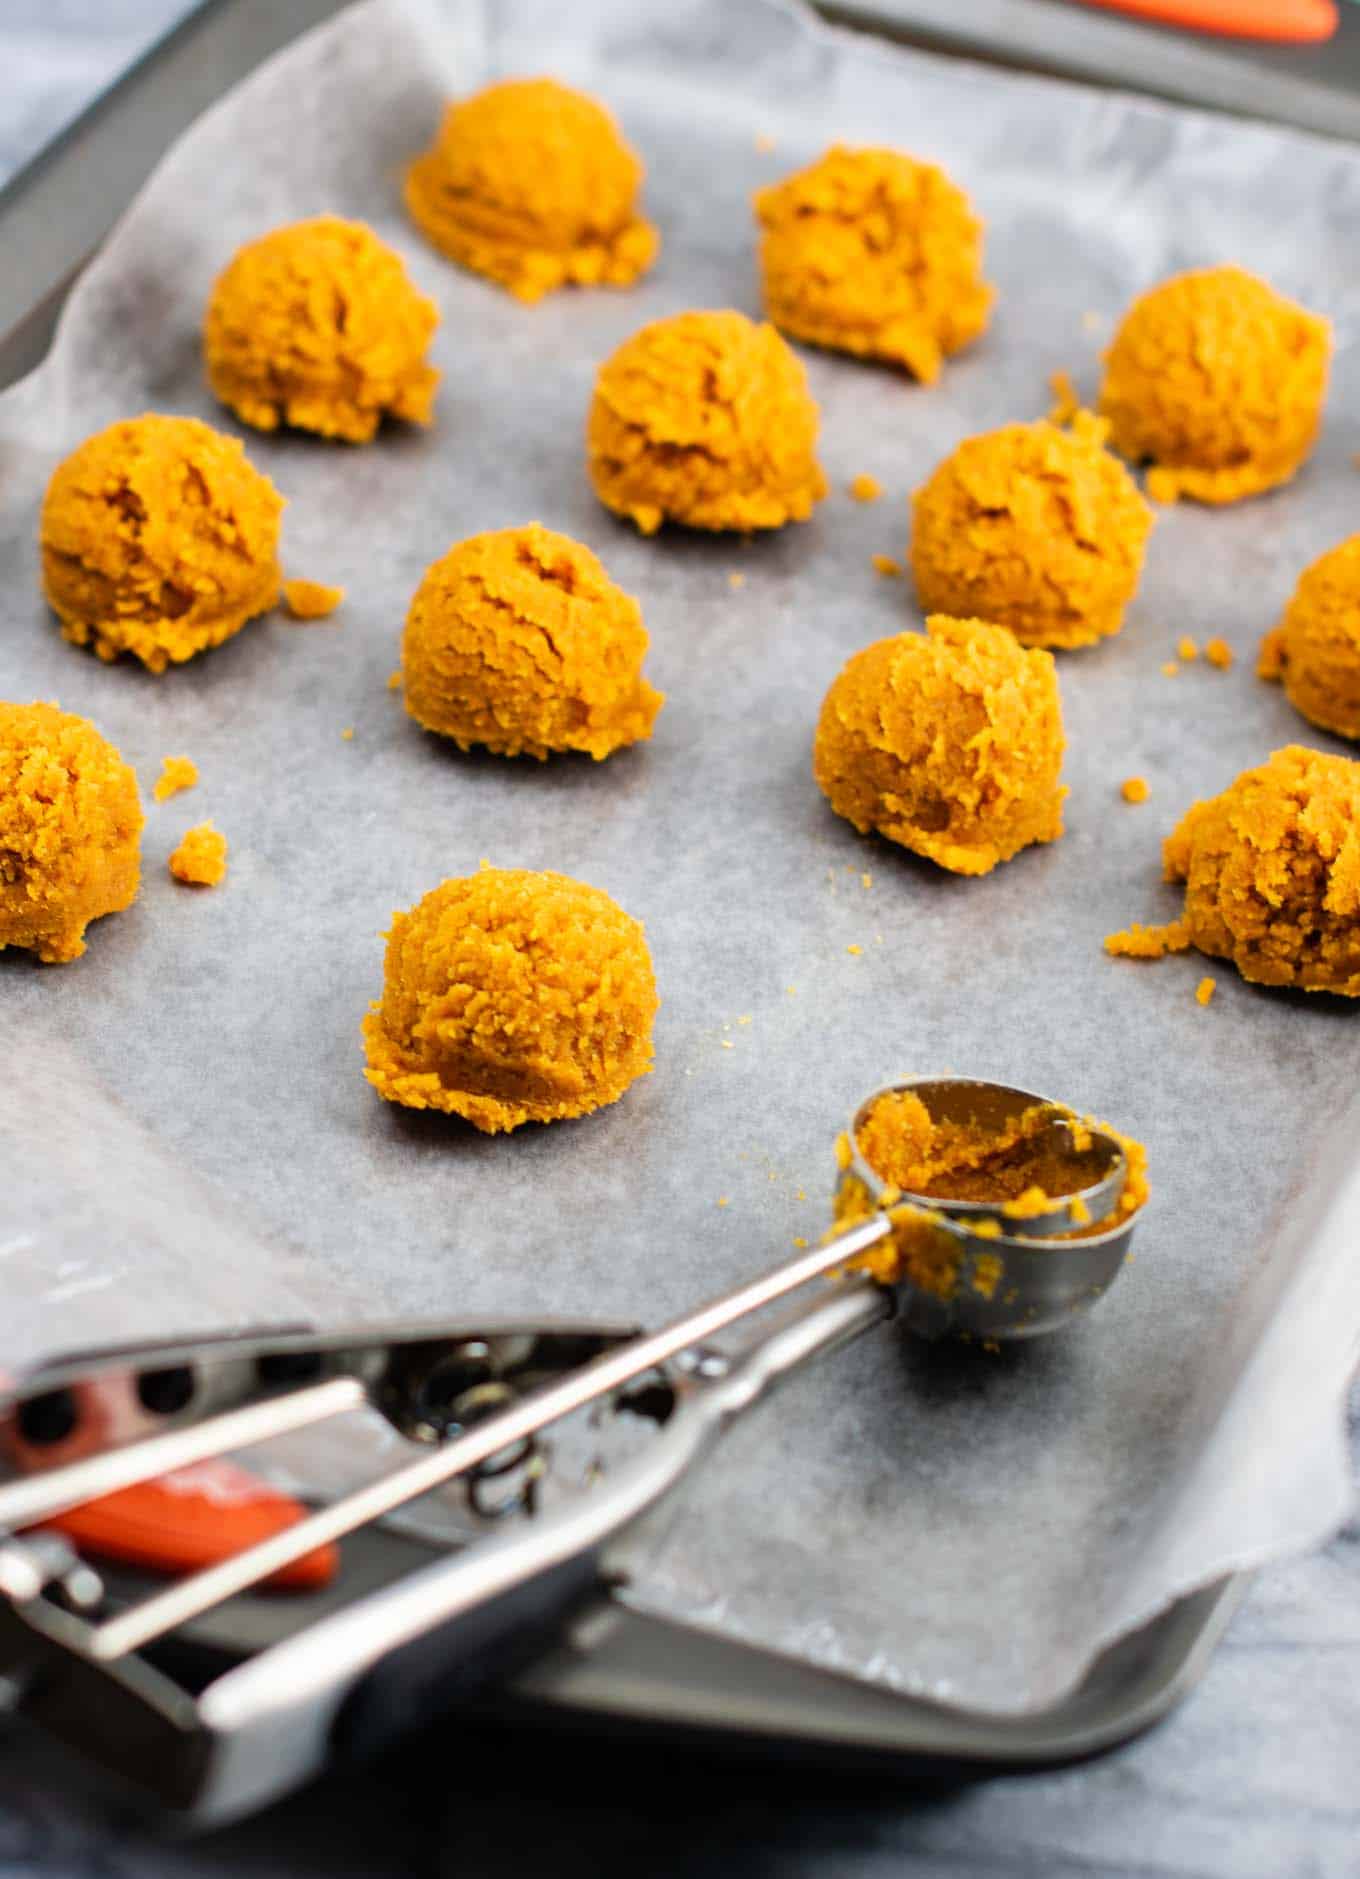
(188, 1136)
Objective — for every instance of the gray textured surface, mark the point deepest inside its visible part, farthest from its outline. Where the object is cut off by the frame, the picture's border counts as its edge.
(1105, 1817)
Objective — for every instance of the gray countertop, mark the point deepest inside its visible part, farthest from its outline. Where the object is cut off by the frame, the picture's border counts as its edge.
(1254, 1778)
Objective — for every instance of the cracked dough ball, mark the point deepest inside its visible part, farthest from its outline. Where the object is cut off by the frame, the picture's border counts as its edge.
(318, 325)
(1218, 382)
(531, 184)
(874, 253)
(518, 640)
(512, 997)
(1036, 528)
(950, 743)
(1272, 872)
(705, 419)
(1315, 650)
(159, 538)
(70, 830)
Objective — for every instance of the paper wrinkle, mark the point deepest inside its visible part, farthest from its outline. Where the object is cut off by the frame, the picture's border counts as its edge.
(946, 1520)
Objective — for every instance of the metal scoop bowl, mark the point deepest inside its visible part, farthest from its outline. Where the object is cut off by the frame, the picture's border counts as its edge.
(1016, 1278)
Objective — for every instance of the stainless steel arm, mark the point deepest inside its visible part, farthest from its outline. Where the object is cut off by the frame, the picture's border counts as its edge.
(416, 1646)
(155, 1616)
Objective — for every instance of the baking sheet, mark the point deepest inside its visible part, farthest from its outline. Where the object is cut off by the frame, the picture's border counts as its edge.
(187, 1136)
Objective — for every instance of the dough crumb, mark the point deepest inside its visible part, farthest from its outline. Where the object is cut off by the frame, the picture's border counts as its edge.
(1187, 648)
(1170, 669)
(1148, 942)
(1219, 653)
(394, 680)
(866, 488)
(856, 950)
(1134, 789)
(885, 565)
(866, 881)
(736, 581)
(727, 1043)
(348, 734)
(1204, 991)
(201, 858)
(311, 600)
(800, 1243)
(177, 773)
(1066, 403)
(724, 1200)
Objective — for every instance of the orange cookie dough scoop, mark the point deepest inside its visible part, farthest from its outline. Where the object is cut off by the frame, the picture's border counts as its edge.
(509, 997)
(531, 184)
(70, 830)
(160, 539)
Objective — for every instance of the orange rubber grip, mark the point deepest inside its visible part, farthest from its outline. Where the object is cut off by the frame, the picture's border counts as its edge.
(192, 1519)
(1289, 22)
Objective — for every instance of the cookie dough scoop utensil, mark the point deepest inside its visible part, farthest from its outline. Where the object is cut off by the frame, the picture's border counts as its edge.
(95, 1660)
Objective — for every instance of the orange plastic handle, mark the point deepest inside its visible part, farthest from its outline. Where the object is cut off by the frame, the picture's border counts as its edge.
(193, 1519)
(1293, 22)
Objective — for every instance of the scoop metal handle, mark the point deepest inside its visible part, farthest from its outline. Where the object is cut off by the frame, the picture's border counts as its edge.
(352, 1679)
(190, 1598)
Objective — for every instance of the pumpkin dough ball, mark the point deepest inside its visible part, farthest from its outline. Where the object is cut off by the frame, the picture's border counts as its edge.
(1218, 381)
(950, 743)
(159, 538)
(1315, 650)
(705, 419)
(512, 997)
(318, 325)
(1034, 527)
(518, 640)
(1272, 872)
(531, 184)
(871, 252)
(70, 830)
